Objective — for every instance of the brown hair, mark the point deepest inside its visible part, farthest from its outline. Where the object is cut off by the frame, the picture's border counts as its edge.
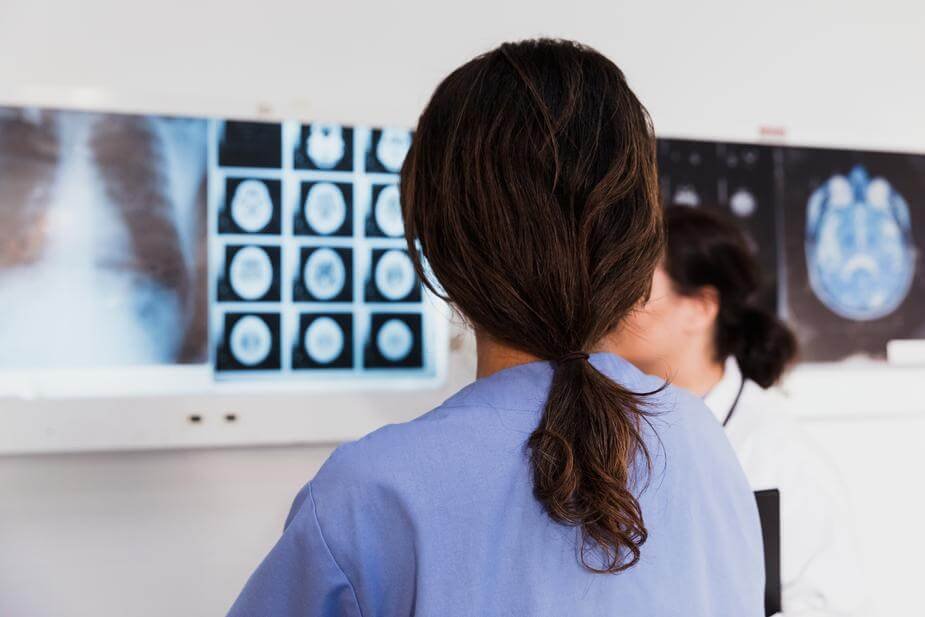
(531, 186)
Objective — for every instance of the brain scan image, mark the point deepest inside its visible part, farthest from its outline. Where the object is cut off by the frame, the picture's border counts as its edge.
(395, 340)
(251, 273)
(859, 250)
(325, 145)
(740, 156)
(252, 206)
(833, 230)
(686, 195)
(325, 274)
(742, 203)
(394, 276)
(688, 172)
(324, 340)
(325, 208)
(392, 147)
(250, 341)
(387, 212)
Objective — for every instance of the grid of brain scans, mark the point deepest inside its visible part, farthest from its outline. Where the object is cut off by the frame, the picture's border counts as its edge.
(835, 230)
(310, 271)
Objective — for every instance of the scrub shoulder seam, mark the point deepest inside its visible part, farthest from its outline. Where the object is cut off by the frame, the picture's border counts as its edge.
(356, 601)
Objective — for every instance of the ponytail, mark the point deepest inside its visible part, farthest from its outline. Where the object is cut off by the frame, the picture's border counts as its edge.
(532, 190)
(762, 344)
(584, 455)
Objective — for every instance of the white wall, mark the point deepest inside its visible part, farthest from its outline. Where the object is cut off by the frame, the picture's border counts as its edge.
(881, 461)
(828, 71)
(174, 533)
(145, 533)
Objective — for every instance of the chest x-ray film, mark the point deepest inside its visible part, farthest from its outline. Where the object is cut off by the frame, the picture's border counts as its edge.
(310, 271)
(102, 240)
(854, 223)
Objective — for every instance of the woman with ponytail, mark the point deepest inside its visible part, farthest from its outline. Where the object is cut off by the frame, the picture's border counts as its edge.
(562, 481)
(706, 329)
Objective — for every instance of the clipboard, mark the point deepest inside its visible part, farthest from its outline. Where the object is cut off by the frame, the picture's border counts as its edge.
(769, 513)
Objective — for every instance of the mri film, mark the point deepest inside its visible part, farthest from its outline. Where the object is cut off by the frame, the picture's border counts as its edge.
(325, 209)
(250, 273)
(854, 275)
(859, 248)
(324, 146)
(250, 206)
(310, 268)
(387, 150)
(394, 341)
(326, 341)
(393, 278)
(249, 342)
(385, 217)
(325, 275)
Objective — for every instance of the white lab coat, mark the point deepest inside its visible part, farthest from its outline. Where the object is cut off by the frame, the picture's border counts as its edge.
(820, 569)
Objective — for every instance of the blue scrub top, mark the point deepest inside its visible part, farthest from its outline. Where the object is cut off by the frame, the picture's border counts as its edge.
(436, 517)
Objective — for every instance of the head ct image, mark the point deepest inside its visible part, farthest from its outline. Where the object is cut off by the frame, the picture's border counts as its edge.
(310, 274)
(837, 232)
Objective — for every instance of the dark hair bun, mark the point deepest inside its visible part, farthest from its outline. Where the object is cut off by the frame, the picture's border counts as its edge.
(766, 346)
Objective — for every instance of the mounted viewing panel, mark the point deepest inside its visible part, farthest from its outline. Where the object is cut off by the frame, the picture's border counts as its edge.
(177, 281)
(190, 259)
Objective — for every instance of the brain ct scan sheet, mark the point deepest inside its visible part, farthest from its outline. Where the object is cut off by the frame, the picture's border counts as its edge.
(859, 250)
(837, 233)
(103, 240)
(310, 271)
(854, 222)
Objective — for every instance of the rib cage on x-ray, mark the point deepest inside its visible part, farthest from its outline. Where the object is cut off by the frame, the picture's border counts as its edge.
(102, 251)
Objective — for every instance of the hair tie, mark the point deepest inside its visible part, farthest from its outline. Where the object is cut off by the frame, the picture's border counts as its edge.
(573, 355)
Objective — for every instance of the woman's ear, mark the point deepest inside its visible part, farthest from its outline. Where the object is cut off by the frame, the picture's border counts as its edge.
(702, 308)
